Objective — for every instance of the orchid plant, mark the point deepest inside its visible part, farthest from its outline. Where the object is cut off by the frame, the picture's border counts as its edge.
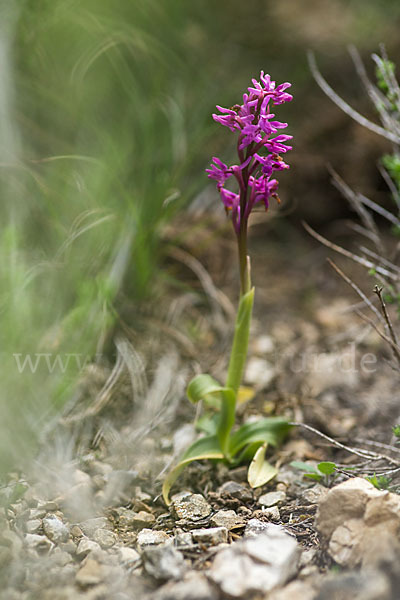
(259, 149)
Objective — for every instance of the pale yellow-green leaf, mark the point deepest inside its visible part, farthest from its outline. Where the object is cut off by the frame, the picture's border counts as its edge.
(260, 471)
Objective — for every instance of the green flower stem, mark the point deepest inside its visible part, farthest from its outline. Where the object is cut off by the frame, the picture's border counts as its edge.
(240, 341)
(226, 421)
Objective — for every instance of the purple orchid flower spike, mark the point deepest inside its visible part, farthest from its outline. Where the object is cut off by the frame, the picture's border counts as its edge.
(257, 130)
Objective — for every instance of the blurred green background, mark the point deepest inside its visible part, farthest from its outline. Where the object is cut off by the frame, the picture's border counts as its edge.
(105, 125)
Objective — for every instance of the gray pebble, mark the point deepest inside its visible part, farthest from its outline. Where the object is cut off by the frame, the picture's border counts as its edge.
(90, 526)
(212, 536)
(226, 518)
(272, 513)
(163, 562)
(55, 529)
(33, 525)
(105, 538)
(272, 498)
(148, 537)
(191, 507)
(40, 543)
(128, 555)
(86, 546)
(237, 490)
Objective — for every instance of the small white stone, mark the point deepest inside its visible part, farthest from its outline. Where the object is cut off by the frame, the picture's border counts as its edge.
(259, 372)
(263, 344)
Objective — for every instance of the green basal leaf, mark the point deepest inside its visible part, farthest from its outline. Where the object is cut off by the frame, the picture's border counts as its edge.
(208, 424)
(271, 430)
(240, 341)
(302, 466)
(313, 476)
(246, 455)
(205, 387)
(327, 468)
(260, 471)
(205, 448)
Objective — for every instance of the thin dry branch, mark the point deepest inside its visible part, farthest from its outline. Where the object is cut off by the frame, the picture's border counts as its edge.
(374, 326)
(355, 287)
(378, 291)
(348, 254)
(383, 261)
(358, 207)
(368, 454)
(346, 108)
(379, 209)
(380, 101)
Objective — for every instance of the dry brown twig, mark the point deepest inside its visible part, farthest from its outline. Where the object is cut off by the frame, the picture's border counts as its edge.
(368, 454)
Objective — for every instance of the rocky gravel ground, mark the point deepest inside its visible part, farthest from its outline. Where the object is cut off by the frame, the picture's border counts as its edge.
(87, 521)
(231, 543)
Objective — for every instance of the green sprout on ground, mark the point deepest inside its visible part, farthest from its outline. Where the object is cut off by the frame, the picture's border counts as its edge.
(257, 132)
(380, 482)
(323, 473)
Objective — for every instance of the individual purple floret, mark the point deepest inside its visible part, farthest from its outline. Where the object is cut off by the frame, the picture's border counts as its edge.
(257, 130)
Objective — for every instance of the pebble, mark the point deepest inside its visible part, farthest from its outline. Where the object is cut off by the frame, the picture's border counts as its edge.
(210, 537)
(183, 539)
(163, 562)
(55, 529)
(60, 557)
(40, 543)
(37, 513)
(263, 344)
(76, 531)
(315, 494)
(194, 586)
(90, 526)
(33, 525)
(272, 513)
(105, 538)
(128, 555)
(142, 519)
(91, 573)
(226, 518)
(256, 565)
(86, 546)
(259, 372)
(272, 498)
(48, 506)
(297, 590)
(254, 527)
(126, 518)
(149, 537)
(191, 507)
(236, 490)
(360, 523)
(369, 585)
